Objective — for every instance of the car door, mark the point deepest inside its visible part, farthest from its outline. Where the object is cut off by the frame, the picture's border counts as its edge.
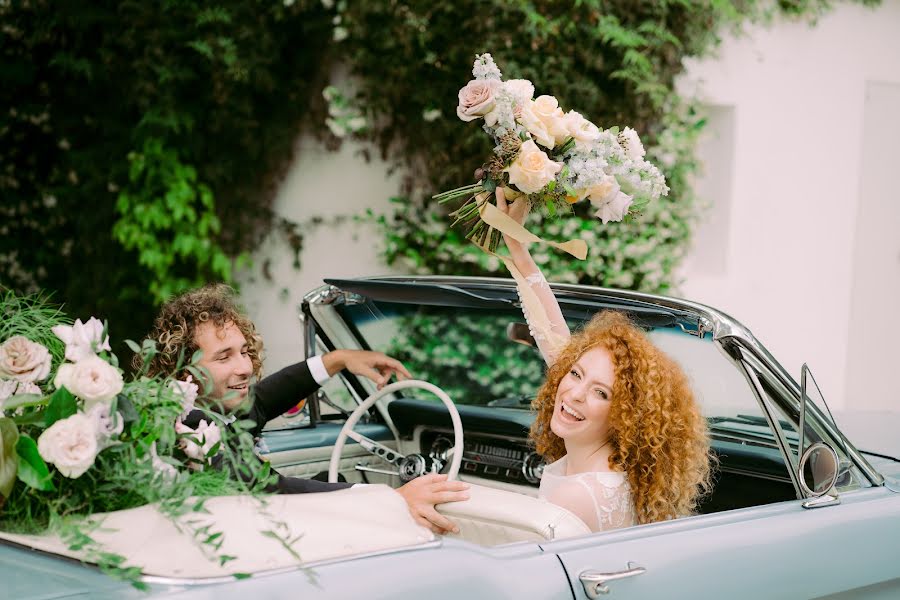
(775, 551)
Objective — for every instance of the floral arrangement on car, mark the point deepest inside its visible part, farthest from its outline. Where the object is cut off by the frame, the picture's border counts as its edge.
(551, 158)
(77, 439)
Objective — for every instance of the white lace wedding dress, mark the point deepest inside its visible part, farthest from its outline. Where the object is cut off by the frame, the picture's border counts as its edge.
(602, 499)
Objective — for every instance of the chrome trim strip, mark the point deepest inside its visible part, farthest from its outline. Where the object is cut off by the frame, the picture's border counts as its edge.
(174, 581)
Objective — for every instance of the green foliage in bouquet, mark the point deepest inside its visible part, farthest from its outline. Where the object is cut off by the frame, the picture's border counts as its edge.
(76, 439)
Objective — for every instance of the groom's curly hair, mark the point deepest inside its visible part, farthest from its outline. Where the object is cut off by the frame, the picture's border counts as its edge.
(659, 438)
(175, 328)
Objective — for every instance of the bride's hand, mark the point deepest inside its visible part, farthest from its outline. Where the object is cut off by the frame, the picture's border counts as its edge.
(517, 209)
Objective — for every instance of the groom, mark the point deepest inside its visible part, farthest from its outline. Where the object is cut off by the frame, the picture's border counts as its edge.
(208, 319)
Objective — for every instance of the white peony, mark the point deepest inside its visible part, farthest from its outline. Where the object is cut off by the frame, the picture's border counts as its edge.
(532, 169)
(631, 143)
(603, 192)
(24, 360)
(615, 209)
(106, 425)
(187, 391)
(70, 444)
(583, 131)
(82, 340)
(91, 379)
(197, 443)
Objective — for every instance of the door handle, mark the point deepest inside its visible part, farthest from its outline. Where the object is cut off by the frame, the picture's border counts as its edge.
(594, 582)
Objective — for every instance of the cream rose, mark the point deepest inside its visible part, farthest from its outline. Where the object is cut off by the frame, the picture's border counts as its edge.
(615, 209)
(70, 444)
(631, 143)
(583, 131)
(551, 115)
(532, 169)
(82, 339)
(91, 379)
(476, 99)
(24, 360)
(198, 442)
(539, 132)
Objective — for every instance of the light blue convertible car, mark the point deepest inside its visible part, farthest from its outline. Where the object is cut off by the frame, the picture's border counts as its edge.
(797, 510)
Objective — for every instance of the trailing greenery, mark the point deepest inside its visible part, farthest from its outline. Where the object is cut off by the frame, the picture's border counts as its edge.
(141, 462)
(130, 128)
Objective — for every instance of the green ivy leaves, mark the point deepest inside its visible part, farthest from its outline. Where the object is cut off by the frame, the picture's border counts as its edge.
(168, 216)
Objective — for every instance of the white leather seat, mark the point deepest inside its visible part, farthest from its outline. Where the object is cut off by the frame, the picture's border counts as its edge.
(491, 517)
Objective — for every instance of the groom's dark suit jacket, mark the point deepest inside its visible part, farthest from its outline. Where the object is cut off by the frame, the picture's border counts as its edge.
(272, 396)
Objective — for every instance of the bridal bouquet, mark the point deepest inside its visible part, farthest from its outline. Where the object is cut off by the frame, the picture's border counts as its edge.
(550, 157)
(77, 438)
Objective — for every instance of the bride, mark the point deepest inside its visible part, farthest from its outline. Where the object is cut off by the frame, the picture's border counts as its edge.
(615, 413)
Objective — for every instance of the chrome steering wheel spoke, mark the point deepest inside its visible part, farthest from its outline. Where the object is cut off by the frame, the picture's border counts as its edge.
(379, 450)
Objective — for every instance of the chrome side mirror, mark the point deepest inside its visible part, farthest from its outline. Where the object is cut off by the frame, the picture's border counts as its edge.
(818, 469)
(817, 474)
(520, 334)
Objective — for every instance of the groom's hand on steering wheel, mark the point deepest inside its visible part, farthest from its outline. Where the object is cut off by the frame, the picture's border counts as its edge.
(376, 366)
(422, 493)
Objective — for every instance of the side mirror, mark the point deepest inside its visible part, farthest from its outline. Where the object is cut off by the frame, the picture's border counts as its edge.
(818, 469)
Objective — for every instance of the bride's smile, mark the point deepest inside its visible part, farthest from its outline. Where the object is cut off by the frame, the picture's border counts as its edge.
(583, 399)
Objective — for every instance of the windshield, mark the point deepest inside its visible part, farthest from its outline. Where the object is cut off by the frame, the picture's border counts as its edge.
(472, 354)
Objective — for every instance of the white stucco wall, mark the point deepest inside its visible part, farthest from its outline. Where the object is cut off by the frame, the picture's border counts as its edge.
(789, 106)
(795, 102)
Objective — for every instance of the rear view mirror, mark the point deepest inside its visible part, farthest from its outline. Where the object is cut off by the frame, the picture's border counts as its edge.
(519, 333)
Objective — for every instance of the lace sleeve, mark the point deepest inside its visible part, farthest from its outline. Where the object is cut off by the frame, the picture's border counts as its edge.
(545, 319)
(601, 504)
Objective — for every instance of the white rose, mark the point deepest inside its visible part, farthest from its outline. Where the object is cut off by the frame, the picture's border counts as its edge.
(615, 209)
(585, 133)
(187, 391)
(91, 379)
(532, 169)
(476, 99)
(535, 126)
(70, 444)
(631, 143)
(198, 442)
(161, 467)
(82, 339)
(548, 111)
(106, 425)
(24, 360)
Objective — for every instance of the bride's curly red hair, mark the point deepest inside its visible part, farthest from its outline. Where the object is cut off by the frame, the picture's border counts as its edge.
(659, 438)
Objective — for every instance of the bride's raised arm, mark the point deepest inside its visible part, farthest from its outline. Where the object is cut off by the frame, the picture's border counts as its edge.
(539, 305)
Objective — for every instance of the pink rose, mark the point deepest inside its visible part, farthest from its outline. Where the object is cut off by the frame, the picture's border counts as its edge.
(532, 169)
(476, 99)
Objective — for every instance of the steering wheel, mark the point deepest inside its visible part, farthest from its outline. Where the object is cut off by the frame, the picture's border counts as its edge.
(408, 467)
